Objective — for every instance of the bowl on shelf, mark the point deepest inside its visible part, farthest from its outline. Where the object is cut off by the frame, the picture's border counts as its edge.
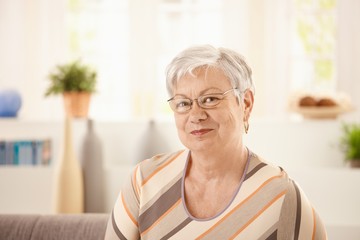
(320, 107)
(320, 112)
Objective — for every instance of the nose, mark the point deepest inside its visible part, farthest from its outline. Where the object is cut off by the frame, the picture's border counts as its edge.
(196, 113)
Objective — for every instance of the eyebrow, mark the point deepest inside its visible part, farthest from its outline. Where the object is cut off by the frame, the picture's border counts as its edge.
(203, 92)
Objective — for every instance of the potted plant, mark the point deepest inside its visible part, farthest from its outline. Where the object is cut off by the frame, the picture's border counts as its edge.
(76, 82)
(350, 143)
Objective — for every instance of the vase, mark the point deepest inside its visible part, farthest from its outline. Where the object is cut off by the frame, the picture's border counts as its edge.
(92, 164)
(10, 103)
(151, 143)
(69, 192)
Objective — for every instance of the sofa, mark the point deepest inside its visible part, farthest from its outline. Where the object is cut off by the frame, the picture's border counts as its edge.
(89, 226)
(92, 227)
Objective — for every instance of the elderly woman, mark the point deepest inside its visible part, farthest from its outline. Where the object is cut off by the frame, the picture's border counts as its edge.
(216, 188)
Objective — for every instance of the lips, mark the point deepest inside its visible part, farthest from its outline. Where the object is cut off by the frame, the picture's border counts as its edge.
(200, 132)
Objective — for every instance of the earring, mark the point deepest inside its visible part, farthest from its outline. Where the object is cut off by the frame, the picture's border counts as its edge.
(246, 126)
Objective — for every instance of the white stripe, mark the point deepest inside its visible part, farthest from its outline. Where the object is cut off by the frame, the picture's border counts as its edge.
(263, 222)
(123, 221)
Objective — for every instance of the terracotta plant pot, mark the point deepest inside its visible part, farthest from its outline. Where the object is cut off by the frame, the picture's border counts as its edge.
(355, 163)
(77, 104)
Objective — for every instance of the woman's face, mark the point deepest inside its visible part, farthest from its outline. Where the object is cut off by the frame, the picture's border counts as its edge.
(209, 129)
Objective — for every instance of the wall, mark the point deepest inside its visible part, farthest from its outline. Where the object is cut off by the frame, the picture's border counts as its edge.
(348, 50)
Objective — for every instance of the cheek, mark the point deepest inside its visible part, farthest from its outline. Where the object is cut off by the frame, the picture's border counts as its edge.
(232, 119)
(181, 129)
(180, 123)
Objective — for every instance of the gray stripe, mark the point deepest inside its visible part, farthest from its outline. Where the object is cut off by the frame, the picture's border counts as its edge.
(254, 170)
(116, 229)
(166, 201)
(164, 188)
(270, 233)
(298, 212)
(273, 236)
(177, 229)
(288, 214)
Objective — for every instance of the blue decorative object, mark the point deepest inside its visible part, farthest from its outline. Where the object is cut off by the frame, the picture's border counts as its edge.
(10, 103)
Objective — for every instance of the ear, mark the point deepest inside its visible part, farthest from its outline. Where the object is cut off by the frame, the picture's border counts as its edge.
(248, 103)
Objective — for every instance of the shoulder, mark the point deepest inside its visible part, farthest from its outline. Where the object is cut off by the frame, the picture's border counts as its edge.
(263, 172)
(161, 160)
(165, 162)
(258, 166)
(297, 217)
(268, 171)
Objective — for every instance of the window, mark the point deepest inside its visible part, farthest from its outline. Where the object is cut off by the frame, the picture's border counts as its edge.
(313, 45)
(130, 52)
(98, 34)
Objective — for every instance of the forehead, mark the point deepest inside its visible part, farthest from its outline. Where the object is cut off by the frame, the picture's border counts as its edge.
(203, 78)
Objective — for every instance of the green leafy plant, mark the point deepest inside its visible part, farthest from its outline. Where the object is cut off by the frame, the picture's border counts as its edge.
(350, 141)
(72, 77)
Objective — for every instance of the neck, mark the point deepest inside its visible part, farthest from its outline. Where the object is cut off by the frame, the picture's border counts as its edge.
(210, 165)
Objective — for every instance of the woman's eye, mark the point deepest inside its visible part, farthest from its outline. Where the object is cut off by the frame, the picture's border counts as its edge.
(182, 104)
(210, 99)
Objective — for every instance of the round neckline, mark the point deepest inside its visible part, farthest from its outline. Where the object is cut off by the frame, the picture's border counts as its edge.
(229, 203)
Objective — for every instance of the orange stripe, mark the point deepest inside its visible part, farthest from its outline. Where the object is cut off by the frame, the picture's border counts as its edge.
(258, 214)
(160, 218)
(314, 227)
(239, 205)
(128, 212)
(134, 181)
(160, 168)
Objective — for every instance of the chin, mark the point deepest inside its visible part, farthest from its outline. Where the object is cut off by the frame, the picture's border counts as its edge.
(200, 145)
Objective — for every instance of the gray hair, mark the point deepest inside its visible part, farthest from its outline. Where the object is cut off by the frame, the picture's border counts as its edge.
(230, 62)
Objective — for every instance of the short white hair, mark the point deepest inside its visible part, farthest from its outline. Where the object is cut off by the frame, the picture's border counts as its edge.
(230, 62)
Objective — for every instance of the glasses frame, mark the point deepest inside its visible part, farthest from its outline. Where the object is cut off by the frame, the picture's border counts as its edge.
(199, 102)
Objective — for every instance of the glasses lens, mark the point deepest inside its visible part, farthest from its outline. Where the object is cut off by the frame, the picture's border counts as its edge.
(180, 104)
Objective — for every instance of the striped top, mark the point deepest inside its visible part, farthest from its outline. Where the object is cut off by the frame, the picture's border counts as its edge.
(267, 205)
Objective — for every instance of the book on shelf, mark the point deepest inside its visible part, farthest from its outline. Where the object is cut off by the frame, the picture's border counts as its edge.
(25, 152)
(2, 153)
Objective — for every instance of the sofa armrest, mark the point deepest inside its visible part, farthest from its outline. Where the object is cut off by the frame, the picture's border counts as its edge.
(17, 226)
(62, 226)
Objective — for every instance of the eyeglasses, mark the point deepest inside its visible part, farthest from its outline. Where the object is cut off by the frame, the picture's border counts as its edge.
(182, 105)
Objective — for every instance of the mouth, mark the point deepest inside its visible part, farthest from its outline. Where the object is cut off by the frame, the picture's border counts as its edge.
(200, 132)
